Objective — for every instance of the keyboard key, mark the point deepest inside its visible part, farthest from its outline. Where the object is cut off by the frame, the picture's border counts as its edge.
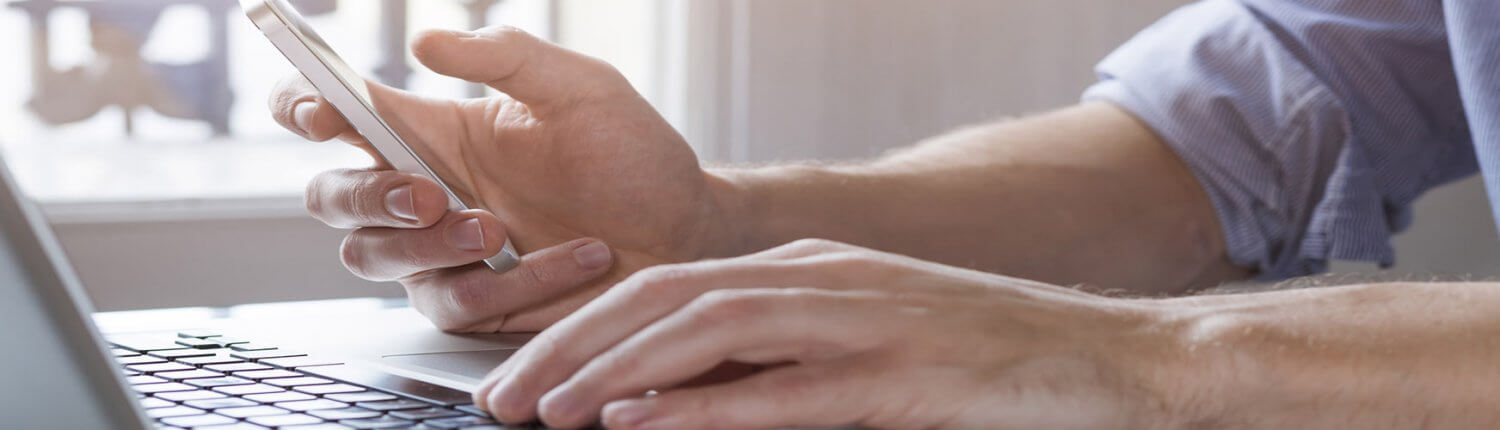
(324, 426)
(236, 367)
(251, 347)
(284, 396)
(122, 352)
(224, 341)
(426, 414)
(158, 367)
(440, 395)
(472, 410)
(345, 414)
(183, 396)
(196, 343)
(181, 353)
(458, 422)
(394, 405)
(144, 343)
(367, 396)
(129, 372)
(197, 334)
(220, 358)
(298, 381)
(244, 426)
(267, 374)
(143, 379)
(139, 359)
(162, 388)
(270, 353)
(295, 362)
(312, 405)
(252, 411)
(328, 389)
(240, 390)
(220, 403)
(284, 420)
(153, 403)
(219, 382)
(175, 411)
(189, 374)
(378, 423)
(198, 421)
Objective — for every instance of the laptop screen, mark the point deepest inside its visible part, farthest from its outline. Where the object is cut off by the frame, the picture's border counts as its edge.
(54, 372)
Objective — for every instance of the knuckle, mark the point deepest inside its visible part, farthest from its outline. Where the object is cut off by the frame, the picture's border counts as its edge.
(356, 197)
(283, 97)
(467, 296)
(505, 34)
(511, 408)
(657, 280)
(421, 294)
(813, 244)
(318, 189)
(542, 275)
(352, 254)
(332, 194)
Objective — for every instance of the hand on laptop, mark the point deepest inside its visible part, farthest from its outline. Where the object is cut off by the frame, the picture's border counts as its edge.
(852, 336)
(572, 160)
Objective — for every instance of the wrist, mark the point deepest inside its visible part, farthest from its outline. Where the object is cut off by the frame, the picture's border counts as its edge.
(731, 225)
(761, 208)
(1204, 370)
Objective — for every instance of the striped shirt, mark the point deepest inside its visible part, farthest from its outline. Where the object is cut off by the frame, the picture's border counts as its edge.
(1314, 124)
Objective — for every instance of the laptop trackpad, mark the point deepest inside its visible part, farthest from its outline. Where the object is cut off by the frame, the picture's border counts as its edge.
(469, 364)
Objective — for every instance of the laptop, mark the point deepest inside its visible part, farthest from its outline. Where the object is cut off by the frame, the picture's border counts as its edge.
(383, 369)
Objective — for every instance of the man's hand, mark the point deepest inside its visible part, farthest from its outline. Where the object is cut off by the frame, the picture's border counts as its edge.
(573, 153)
(851, 336)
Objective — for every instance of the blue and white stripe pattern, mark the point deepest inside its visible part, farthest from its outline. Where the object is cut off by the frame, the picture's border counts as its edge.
(1314, 124)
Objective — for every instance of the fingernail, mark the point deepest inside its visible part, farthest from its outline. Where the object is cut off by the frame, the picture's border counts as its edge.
(466, 235)
(594, 255)
(628, 413)
(399, 202)
(302, 115)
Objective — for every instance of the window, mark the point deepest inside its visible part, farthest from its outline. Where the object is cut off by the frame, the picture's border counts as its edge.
(196, 126)
(159, 211)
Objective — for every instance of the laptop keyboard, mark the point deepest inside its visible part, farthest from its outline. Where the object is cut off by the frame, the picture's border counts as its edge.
(202, 380)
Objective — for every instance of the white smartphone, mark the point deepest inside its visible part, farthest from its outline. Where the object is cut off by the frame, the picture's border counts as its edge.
(348, 93)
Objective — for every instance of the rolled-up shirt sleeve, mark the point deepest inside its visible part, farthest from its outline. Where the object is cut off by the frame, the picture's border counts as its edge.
(1268, 138)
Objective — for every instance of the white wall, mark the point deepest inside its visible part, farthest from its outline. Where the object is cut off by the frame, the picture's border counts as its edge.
(841, 78)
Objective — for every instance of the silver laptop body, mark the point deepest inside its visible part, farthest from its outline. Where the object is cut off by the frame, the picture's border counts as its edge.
(60, 372)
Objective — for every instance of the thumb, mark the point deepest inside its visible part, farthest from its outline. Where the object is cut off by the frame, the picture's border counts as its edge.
(528, 69)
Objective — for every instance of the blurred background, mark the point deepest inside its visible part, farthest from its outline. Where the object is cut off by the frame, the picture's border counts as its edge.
(141, 127)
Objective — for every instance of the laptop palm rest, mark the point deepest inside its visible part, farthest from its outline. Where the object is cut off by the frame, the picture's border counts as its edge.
(467, 364)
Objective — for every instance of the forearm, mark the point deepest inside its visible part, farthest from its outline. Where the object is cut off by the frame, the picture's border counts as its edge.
(1370, 356)
(1083, 195)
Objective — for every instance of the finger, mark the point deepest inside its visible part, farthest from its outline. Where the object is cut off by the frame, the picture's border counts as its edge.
(652, 293)
(419, 121)
(296, 105)
(349, 198)
(761, 324)
(528, 69)
(557, 353)
(475, 299)
(387, 254)
(829, 394)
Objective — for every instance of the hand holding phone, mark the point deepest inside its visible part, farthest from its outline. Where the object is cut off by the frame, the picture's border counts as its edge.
(348, 93)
